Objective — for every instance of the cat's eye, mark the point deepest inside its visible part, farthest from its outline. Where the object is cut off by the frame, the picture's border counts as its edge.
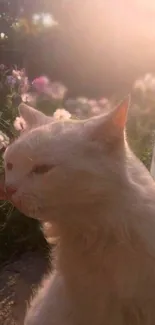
(41, 169)
(9, 166)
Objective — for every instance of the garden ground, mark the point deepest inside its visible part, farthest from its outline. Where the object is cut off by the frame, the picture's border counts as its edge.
(17, 280)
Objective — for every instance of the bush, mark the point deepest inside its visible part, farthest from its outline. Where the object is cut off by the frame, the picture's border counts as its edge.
(141, 122)
(17, 232)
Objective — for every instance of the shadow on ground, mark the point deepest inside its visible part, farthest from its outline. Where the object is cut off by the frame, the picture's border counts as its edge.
(17, 281)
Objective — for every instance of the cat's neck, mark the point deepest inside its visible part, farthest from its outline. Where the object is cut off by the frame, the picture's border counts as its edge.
(114, 213)
(109, 221)
(96, 238)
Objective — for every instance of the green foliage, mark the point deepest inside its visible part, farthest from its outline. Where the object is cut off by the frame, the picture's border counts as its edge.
(9, 100)
(141, 121)
(17, 232)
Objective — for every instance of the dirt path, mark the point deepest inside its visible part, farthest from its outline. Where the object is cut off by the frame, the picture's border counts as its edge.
(17, 280)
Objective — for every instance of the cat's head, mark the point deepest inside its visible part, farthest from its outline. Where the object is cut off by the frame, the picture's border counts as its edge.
(57, 168)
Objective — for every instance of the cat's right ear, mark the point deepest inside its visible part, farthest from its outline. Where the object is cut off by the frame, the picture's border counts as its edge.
(110, 127)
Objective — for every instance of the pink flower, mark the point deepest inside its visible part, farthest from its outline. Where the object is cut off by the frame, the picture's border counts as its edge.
(56, 90)
(92, 102)
(27, 98)
(96, 110)
(103, 101)
(140, 85)
(4, 140)
(41, 83)
(2, 66)
(61, 113)
(24, 85)
(19, 74)
(19, 124)
(16, 74)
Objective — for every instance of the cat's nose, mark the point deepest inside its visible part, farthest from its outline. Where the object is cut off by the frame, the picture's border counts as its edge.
(10, 191)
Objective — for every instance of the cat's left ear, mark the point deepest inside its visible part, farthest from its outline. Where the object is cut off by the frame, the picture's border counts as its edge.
(29, 118)
(112, 125)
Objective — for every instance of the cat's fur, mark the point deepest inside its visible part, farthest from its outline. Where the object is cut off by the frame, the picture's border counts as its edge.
(102, 201)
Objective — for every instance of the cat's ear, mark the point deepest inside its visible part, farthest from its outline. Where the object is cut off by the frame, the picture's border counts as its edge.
(118, 116)
(31, 116)
(112, 125)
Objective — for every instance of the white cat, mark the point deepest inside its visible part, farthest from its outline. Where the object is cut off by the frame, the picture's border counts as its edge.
(82, 177)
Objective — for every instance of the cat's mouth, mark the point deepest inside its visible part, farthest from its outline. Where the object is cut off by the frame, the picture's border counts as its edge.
(10, 196)
(25, 204)
(7, 195)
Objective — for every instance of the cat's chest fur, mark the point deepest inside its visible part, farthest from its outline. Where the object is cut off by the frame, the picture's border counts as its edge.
(50, 306)
(54, 305)
(118, 290)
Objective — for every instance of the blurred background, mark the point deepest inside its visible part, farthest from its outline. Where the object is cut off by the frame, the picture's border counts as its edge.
(74, 57)
(92, 46)
(82, 56)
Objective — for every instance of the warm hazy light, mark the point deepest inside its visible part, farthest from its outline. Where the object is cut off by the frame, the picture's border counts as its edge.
(3, 36)
(148, 4)
(36, 18)
(45, 19)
